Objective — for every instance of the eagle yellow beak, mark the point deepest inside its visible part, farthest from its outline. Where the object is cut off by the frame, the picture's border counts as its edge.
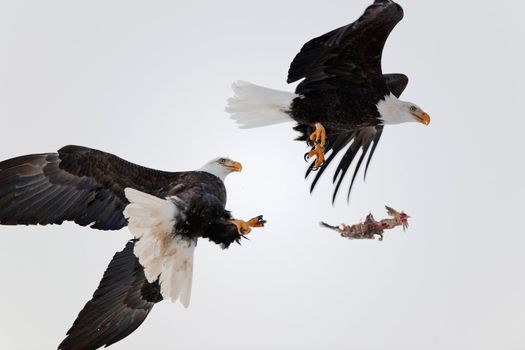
(423, 118)
(234, 166)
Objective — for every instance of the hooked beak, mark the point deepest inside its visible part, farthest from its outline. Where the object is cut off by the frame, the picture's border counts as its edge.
(423, 118)
(234, 166)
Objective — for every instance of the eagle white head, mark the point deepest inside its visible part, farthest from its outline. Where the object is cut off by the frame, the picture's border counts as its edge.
(394, 111)
(221, 167)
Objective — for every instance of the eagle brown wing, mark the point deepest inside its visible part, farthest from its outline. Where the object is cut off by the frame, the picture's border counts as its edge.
(75, 184)
(120, 304)
(349, 57)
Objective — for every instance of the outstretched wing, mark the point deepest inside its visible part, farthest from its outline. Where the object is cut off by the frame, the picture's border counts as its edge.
(348, 57)
(120, 304)
(364, 140)
(76, 184)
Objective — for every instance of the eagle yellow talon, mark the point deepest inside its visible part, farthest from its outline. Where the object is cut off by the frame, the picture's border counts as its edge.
(318, 138)
(244, 227)
(257, 221)
(318, 153)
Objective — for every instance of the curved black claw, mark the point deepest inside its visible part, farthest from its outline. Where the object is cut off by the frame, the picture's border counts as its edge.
(307, 156)
(314, 167)
(261, 221)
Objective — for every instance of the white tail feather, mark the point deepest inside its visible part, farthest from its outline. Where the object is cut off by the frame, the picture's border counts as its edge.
(164, 255)
(177, 270)
(255, 106)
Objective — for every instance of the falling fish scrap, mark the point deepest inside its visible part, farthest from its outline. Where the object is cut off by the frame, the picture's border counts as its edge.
(371, 228)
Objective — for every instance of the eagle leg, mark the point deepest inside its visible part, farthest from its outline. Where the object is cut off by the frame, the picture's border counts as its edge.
(318, 138)
(245, 227)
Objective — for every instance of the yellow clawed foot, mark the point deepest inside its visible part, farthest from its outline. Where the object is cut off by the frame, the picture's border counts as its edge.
(244, 227)
(318, 153)
(318, 138)
(257, 221)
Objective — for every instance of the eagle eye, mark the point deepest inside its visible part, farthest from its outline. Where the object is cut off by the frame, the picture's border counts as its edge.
(413, 109)
(222, 160)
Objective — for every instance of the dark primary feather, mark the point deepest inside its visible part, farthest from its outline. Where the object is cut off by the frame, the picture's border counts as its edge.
(120, 304)
(348, 57)
(76, 184)
(364, 140)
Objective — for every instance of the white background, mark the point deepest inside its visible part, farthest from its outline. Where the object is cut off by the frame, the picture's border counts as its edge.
(148, 81)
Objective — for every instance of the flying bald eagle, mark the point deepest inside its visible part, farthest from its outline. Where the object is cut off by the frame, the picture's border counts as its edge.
(165, 211)
(344, 99)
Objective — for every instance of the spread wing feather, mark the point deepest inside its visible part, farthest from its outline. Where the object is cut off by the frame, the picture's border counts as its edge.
(120, 304)
(75, 184)
(348, 57)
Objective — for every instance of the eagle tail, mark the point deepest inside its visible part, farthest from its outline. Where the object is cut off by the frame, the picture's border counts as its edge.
(164, 255)
(255, 106)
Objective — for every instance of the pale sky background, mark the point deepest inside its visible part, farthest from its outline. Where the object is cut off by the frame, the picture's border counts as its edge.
(148, 80)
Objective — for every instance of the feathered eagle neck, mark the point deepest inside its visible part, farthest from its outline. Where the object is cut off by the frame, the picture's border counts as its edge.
(216, 169)
(393, 111)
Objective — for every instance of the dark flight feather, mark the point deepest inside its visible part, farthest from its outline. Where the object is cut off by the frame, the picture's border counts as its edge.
(120, 304)
(347, 58)
(76, 184)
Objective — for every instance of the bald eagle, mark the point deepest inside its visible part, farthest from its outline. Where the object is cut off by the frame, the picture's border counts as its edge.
(344, 99)
(166, 212)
